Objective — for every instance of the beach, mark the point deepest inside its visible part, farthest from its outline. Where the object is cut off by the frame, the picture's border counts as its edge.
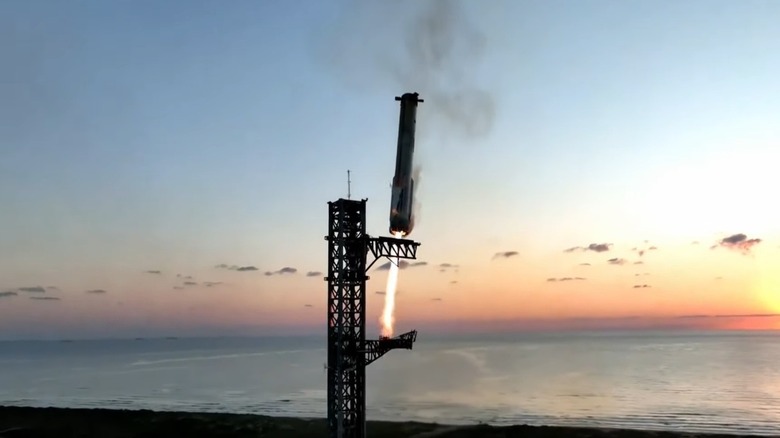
(24, 422)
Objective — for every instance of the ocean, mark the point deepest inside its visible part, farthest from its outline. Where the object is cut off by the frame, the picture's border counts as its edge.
(699, 382)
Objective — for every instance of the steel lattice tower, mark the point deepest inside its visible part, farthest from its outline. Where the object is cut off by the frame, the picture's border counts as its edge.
(348, 350)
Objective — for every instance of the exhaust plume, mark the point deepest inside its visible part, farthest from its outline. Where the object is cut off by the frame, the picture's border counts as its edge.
(387, 319)
(439, 51)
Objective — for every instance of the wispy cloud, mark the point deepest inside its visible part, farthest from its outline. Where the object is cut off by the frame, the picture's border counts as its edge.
(641, 286)
(307, 305)
(640, 262)
(380, 292)
(642, 251)
(9, 293)
(454, 282)
(156, 272)
(33, 289)
(616, 261)
(178, 287)
(211, 283)
(445, 267)
(45, 298)
(596, 247)
(748, 315)
(283, 271)
(402, 264)
(314, 274)
(437, 299)
(52, 288)
(238, 268)
(584, 264)
(566, 279)
(738, 242)
(504, 254)
(190, 283)
(96, 291)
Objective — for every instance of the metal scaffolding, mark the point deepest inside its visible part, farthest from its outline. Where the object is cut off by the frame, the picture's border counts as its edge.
(348, 349)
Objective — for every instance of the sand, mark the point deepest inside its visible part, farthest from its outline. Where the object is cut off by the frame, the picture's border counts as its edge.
(19, 422)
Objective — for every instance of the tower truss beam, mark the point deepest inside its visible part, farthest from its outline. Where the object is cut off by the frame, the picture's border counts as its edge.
(348, 349)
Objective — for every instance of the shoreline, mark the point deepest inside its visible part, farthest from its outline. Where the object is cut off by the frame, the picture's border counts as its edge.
(18, 422)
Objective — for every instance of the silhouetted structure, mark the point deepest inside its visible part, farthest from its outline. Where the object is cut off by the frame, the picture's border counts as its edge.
(348, 350)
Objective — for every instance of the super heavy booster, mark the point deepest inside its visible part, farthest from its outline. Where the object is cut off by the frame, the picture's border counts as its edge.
(401, 215)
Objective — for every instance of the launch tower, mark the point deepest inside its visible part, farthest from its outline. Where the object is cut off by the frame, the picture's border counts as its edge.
(349, 352)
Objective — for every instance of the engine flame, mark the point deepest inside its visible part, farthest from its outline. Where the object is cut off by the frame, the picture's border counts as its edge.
(387, 318)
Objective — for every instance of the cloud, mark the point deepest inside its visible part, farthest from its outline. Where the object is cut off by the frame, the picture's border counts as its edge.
(190, 283)
(33, 289)
(45, 298)
(283, 271)
(641, 286)
(738, 242)
(445, 267)
(380, 292)
(96, 291)
(596, 247)
(584, 264)
(178, 287)
(748, 315)
(566, 279)
(236, 267)
(307, 305)
(454, 282)
(504, 254)
(616, 261)
(314, 274)
(436, 299)
(719, 278)
(402, 264)
(211, 283)
(52, 288)
(8, 294)
(642, 251)
(639, 263)
(153, 272)
(695, 242)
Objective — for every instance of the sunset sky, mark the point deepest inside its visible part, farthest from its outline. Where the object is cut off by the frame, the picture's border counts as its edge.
(184, 135)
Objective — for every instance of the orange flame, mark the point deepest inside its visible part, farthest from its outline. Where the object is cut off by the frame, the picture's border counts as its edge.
(387, 318)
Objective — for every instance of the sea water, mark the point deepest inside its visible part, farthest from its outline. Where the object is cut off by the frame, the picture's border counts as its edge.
(698, 382)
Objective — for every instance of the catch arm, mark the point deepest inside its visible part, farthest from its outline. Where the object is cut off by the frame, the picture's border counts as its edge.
(376, 348)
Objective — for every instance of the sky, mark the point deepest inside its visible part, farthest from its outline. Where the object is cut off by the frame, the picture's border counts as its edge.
(595, 164)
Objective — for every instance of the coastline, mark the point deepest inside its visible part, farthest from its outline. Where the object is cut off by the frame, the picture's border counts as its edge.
(28, 422)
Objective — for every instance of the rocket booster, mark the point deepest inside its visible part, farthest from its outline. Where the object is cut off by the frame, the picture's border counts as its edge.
(401, 200)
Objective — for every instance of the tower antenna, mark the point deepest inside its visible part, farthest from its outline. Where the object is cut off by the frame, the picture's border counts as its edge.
(349, 186)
